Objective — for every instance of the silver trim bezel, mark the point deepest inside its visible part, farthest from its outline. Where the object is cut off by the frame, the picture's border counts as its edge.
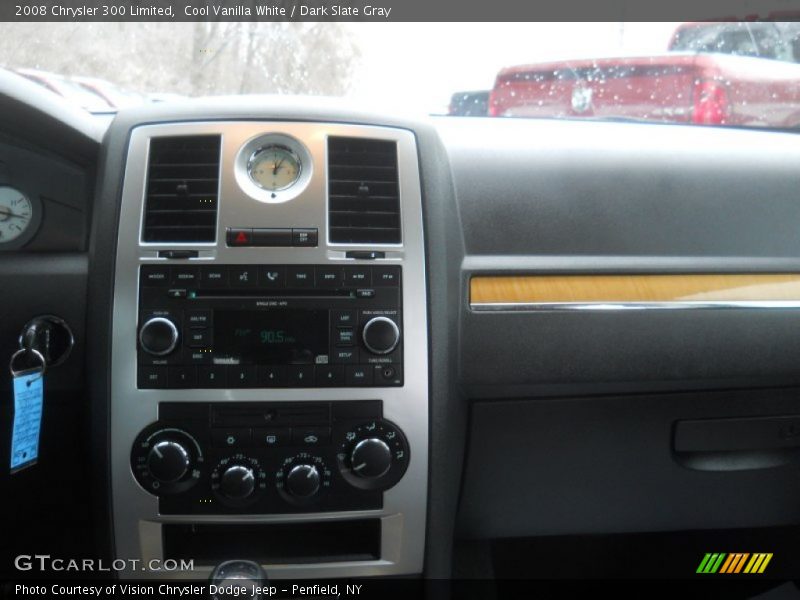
(137, 522)
(627, 306)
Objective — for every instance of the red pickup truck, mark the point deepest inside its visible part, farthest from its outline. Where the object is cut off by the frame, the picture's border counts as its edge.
(732, 73)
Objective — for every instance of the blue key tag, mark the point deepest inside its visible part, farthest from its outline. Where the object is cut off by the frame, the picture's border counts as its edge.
(28, 402)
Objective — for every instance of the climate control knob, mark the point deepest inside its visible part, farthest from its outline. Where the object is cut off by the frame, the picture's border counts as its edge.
(380, 335)
(371, 458)
(158, 336)
(373, 455)
(238, 482)
(302, 481)
(168, 461)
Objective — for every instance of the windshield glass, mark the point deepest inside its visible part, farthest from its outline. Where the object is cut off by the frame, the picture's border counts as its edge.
(710, 73)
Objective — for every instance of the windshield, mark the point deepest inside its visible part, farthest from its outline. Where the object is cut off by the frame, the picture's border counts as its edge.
(713, 73)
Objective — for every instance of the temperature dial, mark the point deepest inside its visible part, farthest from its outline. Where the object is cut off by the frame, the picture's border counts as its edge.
(302, 478)
(374, 455)
(238, 480)
(166, 460)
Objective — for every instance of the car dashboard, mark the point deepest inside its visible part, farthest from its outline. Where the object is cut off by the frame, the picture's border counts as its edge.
(379, 341)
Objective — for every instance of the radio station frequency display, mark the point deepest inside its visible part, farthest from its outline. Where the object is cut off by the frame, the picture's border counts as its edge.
(271, 337)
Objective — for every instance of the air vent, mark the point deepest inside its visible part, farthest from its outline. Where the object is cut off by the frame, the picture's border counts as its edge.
(363, 191)
(182, 189)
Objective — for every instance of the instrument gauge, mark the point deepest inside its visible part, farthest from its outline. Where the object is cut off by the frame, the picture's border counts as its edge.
(16, 214)
(274, 168)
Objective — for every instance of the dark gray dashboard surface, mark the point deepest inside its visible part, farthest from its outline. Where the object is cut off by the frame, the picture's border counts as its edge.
(585, 197)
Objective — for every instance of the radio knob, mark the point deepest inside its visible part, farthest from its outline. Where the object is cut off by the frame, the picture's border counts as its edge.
(371, 458)
(238, 482)
(158, 336)
(303, 481)
(168, 461)
(381, 335)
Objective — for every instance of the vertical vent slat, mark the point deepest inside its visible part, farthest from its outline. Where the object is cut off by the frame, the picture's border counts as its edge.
(182, 189)
(363, 191)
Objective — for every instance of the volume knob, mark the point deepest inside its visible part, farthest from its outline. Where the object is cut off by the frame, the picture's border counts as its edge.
(158, 336)
(168, 461)
(381, 335)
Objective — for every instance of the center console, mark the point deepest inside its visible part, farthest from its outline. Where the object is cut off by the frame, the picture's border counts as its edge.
(269, 371)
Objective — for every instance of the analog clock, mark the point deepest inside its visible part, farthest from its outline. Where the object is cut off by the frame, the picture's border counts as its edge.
(16, 214)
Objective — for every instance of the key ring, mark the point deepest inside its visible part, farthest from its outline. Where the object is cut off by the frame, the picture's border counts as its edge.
(20, 352)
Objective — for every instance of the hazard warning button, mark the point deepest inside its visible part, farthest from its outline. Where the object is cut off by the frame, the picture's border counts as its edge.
(240, 237)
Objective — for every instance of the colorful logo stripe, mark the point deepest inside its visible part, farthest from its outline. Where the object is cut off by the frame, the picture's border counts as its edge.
(735, 562)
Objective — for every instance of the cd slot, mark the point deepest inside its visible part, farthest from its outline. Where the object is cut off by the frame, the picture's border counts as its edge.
(272, 295)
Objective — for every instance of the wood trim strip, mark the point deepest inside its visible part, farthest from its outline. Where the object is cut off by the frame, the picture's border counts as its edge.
(542, 289)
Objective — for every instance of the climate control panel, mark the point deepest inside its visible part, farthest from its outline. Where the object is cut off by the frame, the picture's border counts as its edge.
(267, 458)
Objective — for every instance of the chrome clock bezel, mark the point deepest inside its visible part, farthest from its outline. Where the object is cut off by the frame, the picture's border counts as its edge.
(260, 143)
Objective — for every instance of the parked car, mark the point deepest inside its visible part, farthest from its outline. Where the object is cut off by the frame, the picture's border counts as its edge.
(713, 73)
(469, 104)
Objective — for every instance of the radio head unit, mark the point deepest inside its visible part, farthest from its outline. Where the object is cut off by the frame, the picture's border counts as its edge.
(269, 326)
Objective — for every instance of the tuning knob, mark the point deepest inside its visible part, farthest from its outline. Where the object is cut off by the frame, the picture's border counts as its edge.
(168, 461)
(371, 458)
(380, 335)
(158, 336)
(238, 482)
(303, 481)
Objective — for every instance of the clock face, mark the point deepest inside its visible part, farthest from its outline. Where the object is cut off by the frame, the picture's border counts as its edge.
(274, 168)
(16, 214)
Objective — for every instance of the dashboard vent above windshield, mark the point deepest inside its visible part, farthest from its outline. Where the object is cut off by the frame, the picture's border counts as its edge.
(182, 189)
(363, 191)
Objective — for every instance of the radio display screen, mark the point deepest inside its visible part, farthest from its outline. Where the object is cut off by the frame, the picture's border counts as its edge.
(271, 337)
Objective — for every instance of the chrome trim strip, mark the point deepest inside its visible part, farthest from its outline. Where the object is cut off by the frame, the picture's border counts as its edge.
(619, 306)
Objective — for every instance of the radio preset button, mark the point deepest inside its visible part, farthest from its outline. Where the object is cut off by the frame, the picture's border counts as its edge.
(211, 376)
(241, 376)
(182, 377)
(300, 277)
(329, 375)
(301, 375)
(271, 376)
(305, 237)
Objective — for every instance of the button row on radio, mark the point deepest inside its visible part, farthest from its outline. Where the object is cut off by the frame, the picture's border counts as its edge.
(238, 376)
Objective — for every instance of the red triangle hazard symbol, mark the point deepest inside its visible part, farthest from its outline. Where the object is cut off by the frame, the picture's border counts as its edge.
(241, 238)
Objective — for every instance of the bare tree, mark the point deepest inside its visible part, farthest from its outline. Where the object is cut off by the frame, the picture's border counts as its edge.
(194, 59)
